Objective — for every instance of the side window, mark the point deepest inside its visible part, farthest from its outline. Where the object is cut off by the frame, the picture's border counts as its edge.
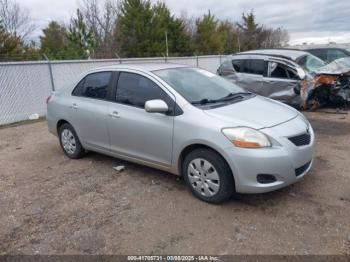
(78, 89)
(96, 85)
(238, 65)
(136, 90)
(277, 70)
(293, 74)
(255, 66)
(333, 54)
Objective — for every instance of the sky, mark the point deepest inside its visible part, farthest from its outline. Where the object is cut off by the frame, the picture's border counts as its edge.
(311, 21)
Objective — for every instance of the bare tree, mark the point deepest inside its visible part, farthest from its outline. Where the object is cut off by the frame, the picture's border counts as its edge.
(273, 38)
(102, 19)
(15, 19)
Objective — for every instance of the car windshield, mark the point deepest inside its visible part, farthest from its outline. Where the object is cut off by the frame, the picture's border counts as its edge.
(200, 86)
(311, 63)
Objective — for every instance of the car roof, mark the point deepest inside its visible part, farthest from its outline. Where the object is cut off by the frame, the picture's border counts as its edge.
(144, 66)
(283, 53)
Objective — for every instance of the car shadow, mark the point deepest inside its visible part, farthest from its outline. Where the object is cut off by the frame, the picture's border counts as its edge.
(167, 180)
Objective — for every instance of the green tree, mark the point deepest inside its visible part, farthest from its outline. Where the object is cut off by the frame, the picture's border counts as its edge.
(81, 38)
(208, 39)
(30, 51)
(179, 41)
(250, 32)
(142, 30)
(54, 42)
(134, 28)
(228, 36)
(10, 46)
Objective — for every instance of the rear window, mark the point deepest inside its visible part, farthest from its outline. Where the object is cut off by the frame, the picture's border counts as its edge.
(96, 85)
(250, 66)
(256, 66)
(238, 65)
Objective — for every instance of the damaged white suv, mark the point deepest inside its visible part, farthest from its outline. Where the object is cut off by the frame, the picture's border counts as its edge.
(279, 74)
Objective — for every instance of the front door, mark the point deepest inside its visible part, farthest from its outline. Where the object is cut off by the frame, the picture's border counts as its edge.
(134, 132)
(281, 82)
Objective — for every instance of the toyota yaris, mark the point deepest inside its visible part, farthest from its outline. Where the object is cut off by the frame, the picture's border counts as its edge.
(186, 121)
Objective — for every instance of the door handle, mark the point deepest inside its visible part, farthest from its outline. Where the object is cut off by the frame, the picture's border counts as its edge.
(74, 106)
(114, 114)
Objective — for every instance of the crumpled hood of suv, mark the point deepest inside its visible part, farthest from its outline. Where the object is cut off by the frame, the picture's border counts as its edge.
(257, 112)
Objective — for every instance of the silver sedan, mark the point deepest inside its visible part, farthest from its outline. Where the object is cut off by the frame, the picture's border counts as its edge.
(186, 121)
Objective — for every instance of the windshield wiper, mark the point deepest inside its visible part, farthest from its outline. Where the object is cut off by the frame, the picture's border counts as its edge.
(230, 96)
(204, 101)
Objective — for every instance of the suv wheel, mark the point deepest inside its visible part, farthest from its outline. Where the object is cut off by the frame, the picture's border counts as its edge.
(69, 142)
(208, 176)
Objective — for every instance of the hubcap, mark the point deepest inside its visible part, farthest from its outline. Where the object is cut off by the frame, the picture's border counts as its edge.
(68, 141)
(203, 177)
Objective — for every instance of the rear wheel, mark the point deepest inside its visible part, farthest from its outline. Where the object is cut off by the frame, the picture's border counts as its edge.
(208, 175)
(69, 142)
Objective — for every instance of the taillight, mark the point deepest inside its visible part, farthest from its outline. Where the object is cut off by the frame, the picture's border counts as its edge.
(48, 99)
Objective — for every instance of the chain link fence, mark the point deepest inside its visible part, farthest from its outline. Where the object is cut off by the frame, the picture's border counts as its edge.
(24, 86)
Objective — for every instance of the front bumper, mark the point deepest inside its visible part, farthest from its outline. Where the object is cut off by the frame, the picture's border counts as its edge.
(288, 163)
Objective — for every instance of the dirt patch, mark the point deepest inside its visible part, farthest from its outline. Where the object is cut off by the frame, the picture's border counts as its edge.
(52, 205)
(332, 127)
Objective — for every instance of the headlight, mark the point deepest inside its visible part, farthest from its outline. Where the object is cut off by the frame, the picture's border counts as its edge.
(246, 137)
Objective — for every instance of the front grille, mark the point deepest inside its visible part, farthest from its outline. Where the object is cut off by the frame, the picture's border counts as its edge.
(300, 170)
(301, 140)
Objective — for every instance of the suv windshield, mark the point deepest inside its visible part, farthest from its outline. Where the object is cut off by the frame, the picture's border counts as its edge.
(311, 63)
(199, 86)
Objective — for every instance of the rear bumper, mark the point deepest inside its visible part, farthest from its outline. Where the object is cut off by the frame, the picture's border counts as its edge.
(288, 163)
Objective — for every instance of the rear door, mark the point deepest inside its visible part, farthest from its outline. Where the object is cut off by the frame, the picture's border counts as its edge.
(134, 132)
(252, 73)
(238, 75)
(281, 82)
(89, 109)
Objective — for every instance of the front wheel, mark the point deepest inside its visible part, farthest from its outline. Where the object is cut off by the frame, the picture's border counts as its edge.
(208, 176)
(69, 142)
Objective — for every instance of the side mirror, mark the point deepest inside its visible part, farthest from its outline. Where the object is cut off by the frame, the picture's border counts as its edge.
(156, 106)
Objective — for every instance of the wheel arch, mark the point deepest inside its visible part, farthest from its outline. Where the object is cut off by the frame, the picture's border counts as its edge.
(60, 123)
(189, 148)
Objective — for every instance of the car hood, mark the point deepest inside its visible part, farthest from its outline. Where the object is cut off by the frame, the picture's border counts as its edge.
(337, 67)
(258, 112)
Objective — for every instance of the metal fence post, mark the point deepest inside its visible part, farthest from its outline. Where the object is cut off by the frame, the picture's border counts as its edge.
(50, 71)
(197, 60)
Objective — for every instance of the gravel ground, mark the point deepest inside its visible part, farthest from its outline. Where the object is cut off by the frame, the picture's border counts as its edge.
(52, 205)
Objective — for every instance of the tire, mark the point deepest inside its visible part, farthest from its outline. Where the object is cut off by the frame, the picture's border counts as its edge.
(69, 142)
(208, 176)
